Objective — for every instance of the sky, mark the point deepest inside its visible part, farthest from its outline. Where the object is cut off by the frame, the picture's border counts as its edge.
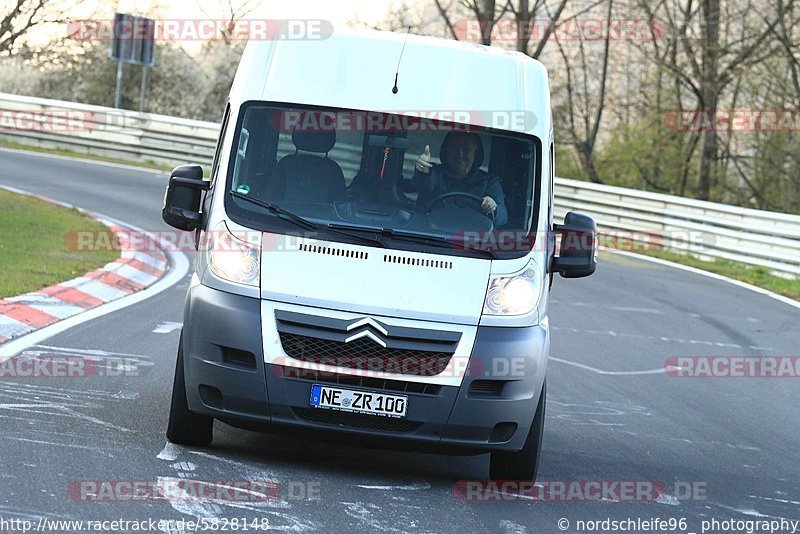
(338, 12)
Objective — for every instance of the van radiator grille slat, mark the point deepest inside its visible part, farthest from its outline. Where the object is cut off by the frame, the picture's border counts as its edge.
(364, 354)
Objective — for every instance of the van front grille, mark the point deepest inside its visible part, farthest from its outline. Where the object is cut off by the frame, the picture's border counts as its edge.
(364, 354)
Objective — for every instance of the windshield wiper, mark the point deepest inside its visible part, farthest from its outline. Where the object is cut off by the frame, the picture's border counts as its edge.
(340, 229)
(305, 223)
(277, 210)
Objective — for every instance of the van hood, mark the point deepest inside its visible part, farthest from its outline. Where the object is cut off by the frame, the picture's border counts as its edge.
(375, 281)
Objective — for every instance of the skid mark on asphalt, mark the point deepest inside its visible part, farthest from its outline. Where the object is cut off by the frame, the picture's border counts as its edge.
(687, 441)
(661, 338)
(599, 413)
(280, 512)
(373, 517)
(630, 309)
(102, 362)
(58, 402)
(509, 527)
(655, 311)
(8, 512)
(57, 444)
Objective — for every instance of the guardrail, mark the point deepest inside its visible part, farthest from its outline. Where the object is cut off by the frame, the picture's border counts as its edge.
(704, 229)
(107, 132)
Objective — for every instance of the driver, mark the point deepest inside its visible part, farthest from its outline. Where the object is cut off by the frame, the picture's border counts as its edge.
(462, 155)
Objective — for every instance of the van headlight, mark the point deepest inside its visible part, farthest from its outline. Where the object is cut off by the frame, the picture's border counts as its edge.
(233, 259)
(516, 294)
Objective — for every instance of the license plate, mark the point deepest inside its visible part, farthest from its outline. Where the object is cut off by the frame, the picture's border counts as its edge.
(349, 400)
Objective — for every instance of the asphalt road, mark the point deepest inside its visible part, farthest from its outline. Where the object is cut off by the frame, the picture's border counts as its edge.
(613, 414)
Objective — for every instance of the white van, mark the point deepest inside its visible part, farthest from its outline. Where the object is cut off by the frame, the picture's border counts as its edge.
(376, 249)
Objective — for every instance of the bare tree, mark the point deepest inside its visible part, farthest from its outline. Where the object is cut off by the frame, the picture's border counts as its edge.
(586, 98)
(486, 14)
(711, 52)
(232, 12)
(18, 18)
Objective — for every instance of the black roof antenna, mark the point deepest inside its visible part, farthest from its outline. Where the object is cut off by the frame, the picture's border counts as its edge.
(397, 72)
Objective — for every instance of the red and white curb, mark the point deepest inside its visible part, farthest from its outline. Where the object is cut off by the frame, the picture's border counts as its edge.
(133, 271)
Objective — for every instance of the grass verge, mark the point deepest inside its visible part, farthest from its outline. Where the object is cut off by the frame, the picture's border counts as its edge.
(757, 276)
(35, 251)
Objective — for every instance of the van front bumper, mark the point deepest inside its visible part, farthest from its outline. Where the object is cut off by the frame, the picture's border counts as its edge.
(227, 378)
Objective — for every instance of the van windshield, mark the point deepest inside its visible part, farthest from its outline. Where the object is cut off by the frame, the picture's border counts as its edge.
(399, 181)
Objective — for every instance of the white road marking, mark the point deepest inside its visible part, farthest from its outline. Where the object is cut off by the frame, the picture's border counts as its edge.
(409, 487)
(170, 452)
(671, 500)
(167, 327)
(184, 466)
(744, 511)
(616, 373)
(784, 501)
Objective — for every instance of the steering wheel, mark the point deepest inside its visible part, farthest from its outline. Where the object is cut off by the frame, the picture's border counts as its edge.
(475, 198)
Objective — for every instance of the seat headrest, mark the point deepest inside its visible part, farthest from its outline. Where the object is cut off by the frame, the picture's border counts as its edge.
(314, 141)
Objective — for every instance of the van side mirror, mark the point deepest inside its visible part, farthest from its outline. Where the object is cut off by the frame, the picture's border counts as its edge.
(183, 197)
(578, 253)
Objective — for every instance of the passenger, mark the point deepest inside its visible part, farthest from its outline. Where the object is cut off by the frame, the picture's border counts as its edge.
(462, 155)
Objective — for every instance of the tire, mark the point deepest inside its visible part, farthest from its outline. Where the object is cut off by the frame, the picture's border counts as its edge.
(186, 427)
(522, 464)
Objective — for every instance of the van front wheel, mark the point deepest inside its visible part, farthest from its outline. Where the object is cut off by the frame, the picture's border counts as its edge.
(186, 427)
(523, 464)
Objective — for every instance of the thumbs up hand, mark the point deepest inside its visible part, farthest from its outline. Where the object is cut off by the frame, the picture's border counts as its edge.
(424, 161)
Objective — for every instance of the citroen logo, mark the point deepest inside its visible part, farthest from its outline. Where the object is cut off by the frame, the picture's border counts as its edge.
(368, 325)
